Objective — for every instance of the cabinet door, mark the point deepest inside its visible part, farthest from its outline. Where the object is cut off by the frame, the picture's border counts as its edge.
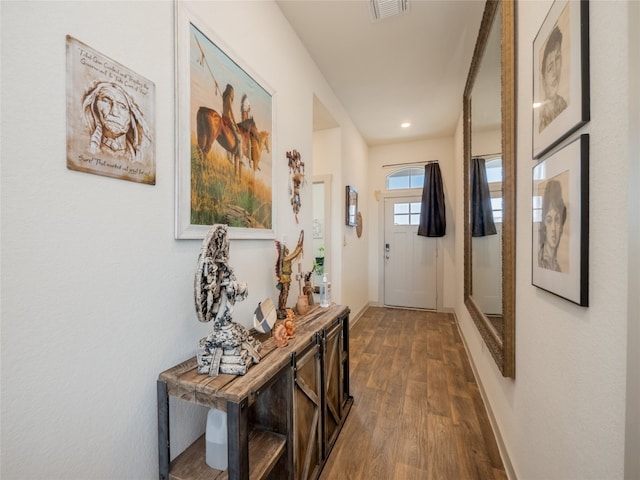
(333, 384)
(307, 426)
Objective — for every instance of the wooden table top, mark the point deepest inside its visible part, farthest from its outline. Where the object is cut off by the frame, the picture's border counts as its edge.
(184, 381)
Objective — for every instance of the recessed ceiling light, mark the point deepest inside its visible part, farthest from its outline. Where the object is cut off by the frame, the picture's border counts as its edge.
(405, 125)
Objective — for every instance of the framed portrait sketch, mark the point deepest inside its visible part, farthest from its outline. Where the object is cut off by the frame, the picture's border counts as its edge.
(351, 206)
(224, 112)
(110, 117)
(560, 74)
(560, 199)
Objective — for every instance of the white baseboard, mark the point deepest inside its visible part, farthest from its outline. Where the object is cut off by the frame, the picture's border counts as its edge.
(508, 466)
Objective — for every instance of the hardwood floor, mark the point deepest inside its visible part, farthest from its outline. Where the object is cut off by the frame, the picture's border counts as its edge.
(417, 412)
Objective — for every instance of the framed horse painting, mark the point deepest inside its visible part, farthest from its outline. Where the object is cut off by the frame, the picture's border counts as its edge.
(224, 138)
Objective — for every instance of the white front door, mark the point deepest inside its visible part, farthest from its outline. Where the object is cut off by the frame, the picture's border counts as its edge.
(410, 261)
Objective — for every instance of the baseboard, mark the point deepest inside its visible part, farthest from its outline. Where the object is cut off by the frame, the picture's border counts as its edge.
(506, 460)
(353, 318)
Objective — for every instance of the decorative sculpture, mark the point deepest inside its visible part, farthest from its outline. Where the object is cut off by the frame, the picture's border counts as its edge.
(308, 287)
(296, 172)
(280, 336)
(284, 270)
(229, 348)
(290, 323)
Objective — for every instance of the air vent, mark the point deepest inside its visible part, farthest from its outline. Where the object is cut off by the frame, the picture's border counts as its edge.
(381, 9)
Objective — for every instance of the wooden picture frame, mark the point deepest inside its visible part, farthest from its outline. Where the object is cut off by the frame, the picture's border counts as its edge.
(560, 75)
(560, 221)
(221, 105)
(351, 206)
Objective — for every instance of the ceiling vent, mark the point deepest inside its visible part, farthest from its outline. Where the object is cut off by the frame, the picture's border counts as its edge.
(381, 9)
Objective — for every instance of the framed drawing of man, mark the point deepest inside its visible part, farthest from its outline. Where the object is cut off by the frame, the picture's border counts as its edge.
(560, 199)
(560, 74)
(110, 117)
(224, 137)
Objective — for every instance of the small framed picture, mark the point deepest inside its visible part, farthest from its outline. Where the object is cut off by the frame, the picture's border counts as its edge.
(560, 200)
(560, 74)
(351, 210)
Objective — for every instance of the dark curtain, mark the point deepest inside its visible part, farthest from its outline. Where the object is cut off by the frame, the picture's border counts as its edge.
(482, 223)
(433, 221)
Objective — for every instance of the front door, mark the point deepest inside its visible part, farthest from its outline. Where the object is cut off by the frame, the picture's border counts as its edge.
(410, 261)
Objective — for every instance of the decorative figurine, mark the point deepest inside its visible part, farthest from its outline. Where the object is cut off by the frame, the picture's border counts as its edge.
(308, 287)
(283, 272)
(302, 304)
(296, 172)
(280, 336)
(229, 348)
(290, 323)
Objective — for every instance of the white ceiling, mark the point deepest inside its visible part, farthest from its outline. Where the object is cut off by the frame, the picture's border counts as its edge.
(407, 68)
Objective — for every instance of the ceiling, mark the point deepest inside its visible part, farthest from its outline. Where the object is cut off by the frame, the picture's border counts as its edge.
(408, 68)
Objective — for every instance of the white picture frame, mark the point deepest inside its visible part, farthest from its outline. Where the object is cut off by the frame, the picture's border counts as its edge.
(205, 66)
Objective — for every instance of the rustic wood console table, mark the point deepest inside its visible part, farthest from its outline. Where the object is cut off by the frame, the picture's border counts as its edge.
(283, 416)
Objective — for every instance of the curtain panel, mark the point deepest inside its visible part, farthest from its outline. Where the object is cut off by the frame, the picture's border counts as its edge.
(433, 221)
(482, 223)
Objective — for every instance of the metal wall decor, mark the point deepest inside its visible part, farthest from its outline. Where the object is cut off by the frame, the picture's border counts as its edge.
(359, 225)
(297, 180)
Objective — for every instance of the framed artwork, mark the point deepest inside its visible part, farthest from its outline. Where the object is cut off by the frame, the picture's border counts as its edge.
(351, 203)
(560, 74)
(224, 136)
(110, 117)
(560, 199)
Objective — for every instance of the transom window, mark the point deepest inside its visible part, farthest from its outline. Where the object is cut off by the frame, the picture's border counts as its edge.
(407, 178)
(406, 213)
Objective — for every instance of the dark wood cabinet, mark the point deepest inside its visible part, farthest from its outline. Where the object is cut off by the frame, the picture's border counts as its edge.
(307, 413)
(283, 416)
(336, 381)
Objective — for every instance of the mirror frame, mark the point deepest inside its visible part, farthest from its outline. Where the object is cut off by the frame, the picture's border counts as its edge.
(502, 349)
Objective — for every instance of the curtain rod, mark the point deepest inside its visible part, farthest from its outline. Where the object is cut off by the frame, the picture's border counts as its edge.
(409, 163)
(487, 155)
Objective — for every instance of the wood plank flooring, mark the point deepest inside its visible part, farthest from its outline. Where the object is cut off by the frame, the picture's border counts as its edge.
(417, 411)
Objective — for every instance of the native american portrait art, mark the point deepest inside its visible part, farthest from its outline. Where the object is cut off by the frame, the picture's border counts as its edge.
(110, 117)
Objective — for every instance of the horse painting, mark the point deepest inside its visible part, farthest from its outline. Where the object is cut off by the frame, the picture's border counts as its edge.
(254, 142)
(211, 126)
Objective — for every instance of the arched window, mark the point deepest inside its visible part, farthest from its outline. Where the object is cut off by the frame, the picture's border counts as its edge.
(406, 178)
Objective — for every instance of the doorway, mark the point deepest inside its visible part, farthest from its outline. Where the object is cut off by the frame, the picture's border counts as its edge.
(321, 226)
(410, 261)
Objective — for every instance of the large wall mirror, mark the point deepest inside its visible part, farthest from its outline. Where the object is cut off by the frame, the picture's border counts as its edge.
(489, 187)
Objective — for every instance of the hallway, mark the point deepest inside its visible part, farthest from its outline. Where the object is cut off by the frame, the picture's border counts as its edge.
(417, 411)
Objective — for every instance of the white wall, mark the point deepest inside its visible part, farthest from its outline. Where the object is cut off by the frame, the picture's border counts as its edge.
(97, 296)
(440, 149)
(563, 417)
